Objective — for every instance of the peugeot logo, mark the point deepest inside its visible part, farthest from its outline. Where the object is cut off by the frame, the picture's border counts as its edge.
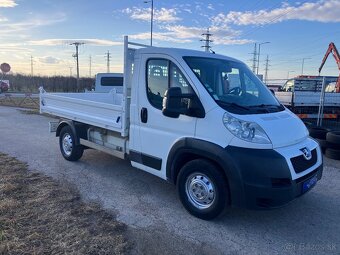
(306, 153)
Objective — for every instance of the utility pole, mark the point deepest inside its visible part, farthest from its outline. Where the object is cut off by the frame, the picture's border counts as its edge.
(70, 71)
(151, 19)
(258, 57)
(254, 58)
(206, 41)
(31, 66)
(90, 67)
(266, 70)
(76, 56)
(108, 59)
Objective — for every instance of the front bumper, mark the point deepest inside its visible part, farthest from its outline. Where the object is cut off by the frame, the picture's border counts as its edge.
(267, 178)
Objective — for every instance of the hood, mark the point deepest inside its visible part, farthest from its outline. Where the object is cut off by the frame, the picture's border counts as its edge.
(283, 128)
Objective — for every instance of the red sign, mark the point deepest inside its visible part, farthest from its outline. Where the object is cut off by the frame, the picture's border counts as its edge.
(5, 67)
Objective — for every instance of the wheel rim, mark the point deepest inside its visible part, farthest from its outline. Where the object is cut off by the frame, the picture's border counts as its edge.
(67, 144)
(200, 190)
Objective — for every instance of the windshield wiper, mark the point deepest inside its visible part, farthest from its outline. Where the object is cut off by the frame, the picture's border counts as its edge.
(265, 105)
(232, 105)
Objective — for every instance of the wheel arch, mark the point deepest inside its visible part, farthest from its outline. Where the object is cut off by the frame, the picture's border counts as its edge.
(187, 149)
(71, 124)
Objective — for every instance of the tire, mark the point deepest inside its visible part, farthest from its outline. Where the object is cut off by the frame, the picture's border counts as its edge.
(323, 144)
(308, 124)
(333, 137)
(68, 149)
(318, 132)
(333, 154)
(213, 196)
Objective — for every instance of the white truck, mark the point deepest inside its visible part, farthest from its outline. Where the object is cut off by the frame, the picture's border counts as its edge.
(105, 82)
(302, 96)
(223, 142)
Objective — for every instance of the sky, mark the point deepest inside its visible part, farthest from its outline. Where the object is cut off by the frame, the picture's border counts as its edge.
(44, 29)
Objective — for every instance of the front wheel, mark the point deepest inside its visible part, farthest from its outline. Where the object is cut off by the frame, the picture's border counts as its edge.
(203, 189)
(69, 150)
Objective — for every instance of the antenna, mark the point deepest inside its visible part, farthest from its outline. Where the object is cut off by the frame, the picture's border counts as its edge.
(207, 41)
(76, 56)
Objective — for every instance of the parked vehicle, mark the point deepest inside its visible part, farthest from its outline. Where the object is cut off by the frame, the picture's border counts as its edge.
(108, 81)
(309, 83)
(199, 120)
(4, 85)
(302, 96)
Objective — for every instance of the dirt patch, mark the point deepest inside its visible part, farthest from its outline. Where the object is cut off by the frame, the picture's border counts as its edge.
(39, 215)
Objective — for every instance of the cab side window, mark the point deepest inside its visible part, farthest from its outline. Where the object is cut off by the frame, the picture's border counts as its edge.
(161, 75)
(157, 80)
(177, 79)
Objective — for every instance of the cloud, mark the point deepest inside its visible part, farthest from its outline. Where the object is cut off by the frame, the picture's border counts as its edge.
(50, 60)
(7, 3)
(161, 36)
(185, 34)
(56, 42)
(169, 30)
(20, 28)
(162, 15)
(321, 11)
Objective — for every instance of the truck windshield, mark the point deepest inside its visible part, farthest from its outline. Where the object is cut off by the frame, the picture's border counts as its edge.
(233, 86)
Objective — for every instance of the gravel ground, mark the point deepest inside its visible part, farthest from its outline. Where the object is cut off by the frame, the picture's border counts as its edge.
(150, 207)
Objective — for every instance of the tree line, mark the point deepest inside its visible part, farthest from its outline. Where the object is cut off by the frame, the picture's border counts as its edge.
(26, 83)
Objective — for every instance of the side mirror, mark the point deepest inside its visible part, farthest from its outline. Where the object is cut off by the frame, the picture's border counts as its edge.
(176, 103)
(172, 102)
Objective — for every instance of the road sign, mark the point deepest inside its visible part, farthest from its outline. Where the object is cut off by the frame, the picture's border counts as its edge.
(5, 67)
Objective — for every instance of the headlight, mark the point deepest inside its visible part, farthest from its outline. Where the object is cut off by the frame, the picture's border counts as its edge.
(248, 131)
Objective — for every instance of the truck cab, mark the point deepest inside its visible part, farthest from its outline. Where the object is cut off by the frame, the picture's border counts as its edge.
(107, 81)
(309, 83)
(201, 121)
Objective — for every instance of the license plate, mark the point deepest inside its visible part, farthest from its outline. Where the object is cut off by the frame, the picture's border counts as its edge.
(310, 183)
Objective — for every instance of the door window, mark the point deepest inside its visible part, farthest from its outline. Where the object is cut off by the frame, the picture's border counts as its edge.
(159, 80)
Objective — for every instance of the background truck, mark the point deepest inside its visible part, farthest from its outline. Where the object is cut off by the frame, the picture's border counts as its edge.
(303, 94)
(107, 81)
(199, 120)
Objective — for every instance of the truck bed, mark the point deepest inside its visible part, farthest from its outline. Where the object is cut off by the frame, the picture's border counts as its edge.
(105, 110)
(307, 98)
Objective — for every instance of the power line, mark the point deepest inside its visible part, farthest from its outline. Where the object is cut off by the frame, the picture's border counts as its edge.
(108, 59)
(32, 66)
(90, 66)
(76, 56)
(266, 70)
(254, 58)
(206, 41)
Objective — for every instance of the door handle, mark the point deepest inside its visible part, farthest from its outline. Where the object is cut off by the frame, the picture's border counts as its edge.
(144, 115)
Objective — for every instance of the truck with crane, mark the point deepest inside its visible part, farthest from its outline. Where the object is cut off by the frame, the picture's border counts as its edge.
(302, 93)
(199, 120)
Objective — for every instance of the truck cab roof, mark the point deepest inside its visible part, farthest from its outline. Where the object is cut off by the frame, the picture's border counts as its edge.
(179, 53)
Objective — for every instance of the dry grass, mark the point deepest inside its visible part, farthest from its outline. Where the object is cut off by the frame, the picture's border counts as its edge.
(41, 216)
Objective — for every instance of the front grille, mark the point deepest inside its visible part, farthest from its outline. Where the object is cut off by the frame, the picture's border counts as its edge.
(301, 164)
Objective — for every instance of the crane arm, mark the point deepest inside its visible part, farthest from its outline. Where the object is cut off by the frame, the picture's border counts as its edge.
(331, 49)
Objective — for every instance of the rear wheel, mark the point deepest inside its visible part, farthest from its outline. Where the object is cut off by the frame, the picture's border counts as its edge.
(69, 150)
(202, 189)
